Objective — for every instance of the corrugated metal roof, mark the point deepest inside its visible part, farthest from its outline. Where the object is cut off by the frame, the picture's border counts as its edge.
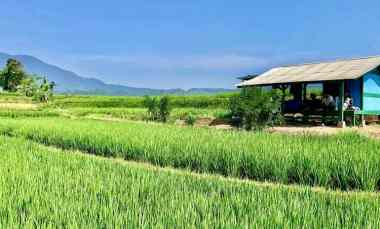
(248, 77)
(316, 72)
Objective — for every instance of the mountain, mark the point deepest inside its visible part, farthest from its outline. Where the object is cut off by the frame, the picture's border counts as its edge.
(70, 82)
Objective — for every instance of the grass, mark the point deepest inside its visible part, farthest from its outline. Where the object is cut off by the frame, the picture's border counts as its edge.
(141, 113)
(126, 107)
(14, 98)
(194, 101)
(344, 162)
(18, 113)
(49, 188)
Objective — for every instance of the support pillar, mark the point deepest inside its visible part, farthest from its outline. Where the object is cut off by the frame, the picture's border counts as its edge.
(304, 92)
(362, 121)
(341, 122)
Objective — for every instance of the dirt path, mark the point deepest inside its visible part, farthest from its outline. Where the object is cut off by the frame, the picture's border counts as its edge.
(371, 131)
(18, 106)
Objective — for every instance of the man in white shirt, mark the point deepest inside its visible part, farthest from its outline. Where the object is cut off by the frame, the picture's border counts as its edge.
(328, 102)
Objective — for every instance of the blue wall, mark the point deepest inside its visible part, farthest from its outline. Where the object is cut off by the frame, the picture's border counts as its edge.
(371, 91)
(355, 88)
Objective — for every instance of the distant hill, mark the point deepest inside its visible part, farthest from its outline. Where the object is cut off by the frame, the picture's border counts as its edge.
(70, 82)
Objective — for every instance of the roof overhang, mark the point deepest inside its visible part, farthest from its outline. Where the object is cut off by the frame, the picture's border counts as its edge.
(248, 77)
(316, 72)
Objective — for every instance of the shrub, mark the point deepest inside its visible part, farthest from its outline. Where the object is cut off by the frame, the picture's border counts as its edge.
(190, 119)
(164, 109)
(151, 104)
(255, 108)
(158, 109)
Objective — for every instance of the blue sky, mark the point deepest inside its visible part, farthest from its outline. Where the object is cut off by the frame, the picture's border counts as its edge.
(198, 43)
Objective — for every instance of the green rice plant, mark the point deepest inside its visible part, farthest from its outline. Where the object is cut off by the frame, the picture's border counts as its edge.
(139, 114)
(13, 97)
(196, 101)
(191, 119)
(346, 161)
(43, 187)
(16, 113)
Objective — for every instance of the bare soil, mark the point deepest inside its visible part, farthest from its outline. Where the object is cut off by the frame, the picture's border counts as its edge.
(18, 106)
(370, 130)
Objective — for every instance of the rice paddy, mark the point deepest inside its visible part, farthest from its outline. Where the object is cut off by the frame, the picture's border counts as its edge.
(194, 101)
(60, 168)
(140, 114)
(345, 162)
(49, 188)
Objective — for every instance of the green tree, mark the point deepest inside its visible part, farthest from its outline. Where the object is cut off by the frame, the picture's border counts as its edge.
(151, 104)
(164, 109)
(28, 87)
(158, 109)
(12, 76)
(45, 91)
(255, 108)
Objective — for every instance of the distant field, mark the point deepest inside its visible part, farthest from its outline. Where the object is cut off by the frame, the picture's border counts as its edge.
(14, 98)
(50, 177)
(115, 107)
(49, 188)
(346, 162)
(136, 114)
(139, 114)
(195, 101)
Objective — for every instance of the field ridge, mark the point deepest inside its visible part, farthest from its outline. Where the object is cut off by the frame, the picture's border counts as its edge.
(347, 162)
(178, 171)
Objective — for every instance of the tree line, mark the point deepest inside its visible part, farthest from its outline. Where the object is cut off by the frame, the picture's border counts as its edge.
(13, 78)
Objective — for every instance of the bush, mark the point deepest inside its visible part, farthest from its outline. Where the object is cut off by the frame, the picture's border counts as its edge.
(164, 109)
(158, 109)
(190, 119)
(255, 108)
(151, 104)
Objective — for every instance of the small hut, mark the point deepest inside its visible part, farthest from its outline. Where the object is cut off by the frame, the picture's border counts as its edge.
(360, 78)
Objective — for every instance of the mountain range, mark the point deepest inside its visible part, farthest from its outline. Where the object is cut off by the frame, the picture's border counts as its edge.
(69, 82)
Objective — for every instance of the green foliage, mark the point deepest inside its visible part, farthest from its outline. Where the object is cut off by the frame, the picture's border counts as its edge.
(44, 91)
(151, 104)
(12, 76)
(190, 119)
(164, 109)
(193, 101)
(343, 162)
(28, 87)
(255, 108)
(158, 109)
(12, 113)
(43, 187)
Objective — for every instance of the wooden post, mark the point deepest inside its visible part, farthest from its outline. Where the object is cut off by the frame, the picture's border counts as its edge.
(283, 90)
(341, 123)
(362, 119)
(304, 88)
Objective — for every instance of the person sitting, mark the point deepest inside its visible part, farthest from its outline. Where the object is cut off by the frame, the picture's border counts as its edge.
(328, 102)
(348, 103)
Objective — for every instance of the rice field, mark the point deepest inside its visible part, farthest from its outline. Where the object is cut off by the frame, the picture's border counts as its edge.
(43, 187)
(139, 114)
(178, 101)
(60, 168)
(346, 162)
(20, 113)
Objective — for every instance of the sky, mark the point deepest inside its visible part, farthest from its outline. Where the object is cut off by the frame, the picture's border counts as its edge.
(185, 44)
